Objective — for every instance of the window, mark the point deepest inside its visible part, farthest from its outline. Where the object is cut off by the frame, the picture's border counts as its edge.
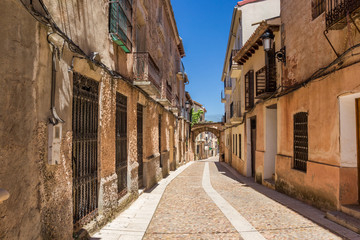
(120, 28)
(236, 152)
(317, 7)
(233, 144)
(249, 90)
(121, 143)
(239, 145)
(300, 141)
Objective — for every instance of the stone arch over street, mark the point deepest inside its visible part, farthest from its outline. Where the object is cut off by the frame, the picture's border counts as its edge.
(216, 128)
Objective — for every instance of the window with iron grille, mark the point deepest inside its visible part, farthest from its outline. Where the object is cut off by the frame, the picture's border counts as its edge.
(249, 90)
(300, 141)
(120, 27)
(236, 151)
(317, 7)
(233, 144)
(239, 145)
(121, 143)
(160, 138)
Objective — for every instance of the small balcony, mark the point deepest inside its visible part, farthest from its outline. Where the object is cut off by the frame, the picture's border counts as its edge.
(167, 98)
(223, 99)
(181, 75)
(235, 68)
(147, 73)
(337, 10)
(266, 81)
(228, 86)
(235, 112)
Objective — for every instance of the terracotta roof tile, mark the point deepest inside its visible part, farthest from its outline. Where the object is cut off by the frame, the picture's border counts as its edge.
(244, 2)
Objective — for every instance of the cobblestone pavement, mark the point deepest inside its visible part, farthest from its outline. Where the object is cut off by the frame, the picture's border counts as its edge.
(186, 212)
(271, 219)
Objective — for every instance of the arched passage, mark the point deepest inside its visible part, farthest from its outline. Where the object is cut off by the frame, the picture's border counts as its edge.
(214, 128)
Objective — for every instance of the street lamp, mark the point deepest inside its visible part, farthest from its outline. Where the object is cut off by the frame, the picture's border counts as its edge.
(268, 40)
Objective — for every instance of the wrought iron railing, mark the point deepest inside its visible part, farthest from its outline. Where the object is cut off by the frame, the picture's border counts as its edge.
(233, 54)
(222, 95)
(145, 69)
(235, 109)
(228, 82)
(168, 92)
(336, 10)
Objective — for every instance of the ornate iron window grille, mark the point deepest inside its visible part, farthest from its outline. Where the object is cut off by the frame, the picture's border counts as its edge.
(120, 26)
(121, 143)
(300, 141)
(239, 145)
(84, 149)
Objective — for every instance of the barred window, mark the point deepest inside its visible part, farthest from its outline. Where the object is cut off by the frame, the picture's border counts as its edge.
(300, 141)
(317, 7)
(120, 28)
(239, 145)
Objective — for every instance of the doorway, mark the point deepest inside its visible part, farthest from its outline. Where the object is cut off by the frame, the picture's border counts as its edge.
(358, 143)
(85, 149)
(253, 145)
(140, 145)
(271, 143)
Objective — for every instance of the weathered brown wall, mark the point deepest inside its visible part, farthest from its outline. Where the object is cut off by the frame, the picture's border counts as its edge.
(307, 49)
(325, 183)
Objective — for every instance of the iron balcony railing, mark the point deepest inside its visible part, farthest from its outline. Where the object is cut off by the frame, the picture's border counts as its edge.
(233, 54)
(336, 10)
(145, 69)
(228, 82)
(235, 109)
(222, 95)
(169, 94)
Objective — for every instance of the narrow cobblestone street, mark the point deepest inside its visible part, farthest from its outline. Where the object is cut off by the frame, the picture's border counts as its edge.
(225, 209)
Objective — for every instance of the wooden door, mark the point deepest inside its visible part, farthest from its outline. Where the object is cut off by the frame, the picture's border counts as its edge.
(358, 142)
(253, 146)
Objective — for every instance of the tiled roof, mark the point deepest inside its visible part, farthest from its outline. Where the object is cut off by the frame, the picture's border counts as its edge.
(244, 2)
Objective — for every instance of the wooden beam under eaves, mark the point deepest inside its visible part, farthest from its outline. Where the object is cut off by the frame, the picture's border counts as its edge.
(249, 54)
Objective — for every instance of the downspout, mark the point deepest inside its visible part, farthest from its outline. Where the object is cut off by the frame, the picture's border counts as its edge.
(54, 119)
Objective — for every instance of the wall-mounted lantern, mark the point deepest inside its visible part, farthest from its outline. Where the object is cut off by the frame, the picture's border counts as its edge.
(268, 40)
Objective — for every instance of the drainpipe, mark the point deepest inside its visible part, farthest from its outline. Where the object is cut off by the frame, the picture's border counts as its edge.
(54, 119)
(4, 195)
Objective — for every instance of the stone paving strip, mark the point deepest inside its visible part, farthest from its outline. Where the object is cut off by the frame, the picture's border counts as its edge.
(246, 230)
(187, 212)
(269, 211)
(133, 222)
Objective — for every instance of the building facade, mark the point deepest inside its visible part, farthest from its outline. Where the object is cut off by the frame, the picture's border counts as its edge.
(299, 121)
(93, 109)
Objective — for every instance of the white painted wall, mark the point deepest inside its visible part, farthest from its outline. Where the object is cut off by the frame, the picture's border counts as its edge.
(257, 12)
(348, 144)
(270, 142)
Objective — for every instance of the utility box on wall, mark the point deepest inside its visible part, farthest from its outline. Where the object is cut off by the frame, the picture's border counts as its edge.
(54, 143)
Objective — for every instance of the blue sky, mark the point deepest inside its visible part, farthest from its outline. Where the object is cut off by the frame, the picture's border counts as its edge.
(204, 27)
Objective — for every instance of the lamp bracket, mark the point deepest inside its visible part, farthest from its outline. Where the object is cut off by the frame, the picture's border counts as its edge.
(281, 55)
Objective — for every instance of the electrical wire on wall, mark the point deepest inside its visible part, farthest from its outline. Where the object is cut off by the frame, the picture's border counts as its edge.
(47, 20)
